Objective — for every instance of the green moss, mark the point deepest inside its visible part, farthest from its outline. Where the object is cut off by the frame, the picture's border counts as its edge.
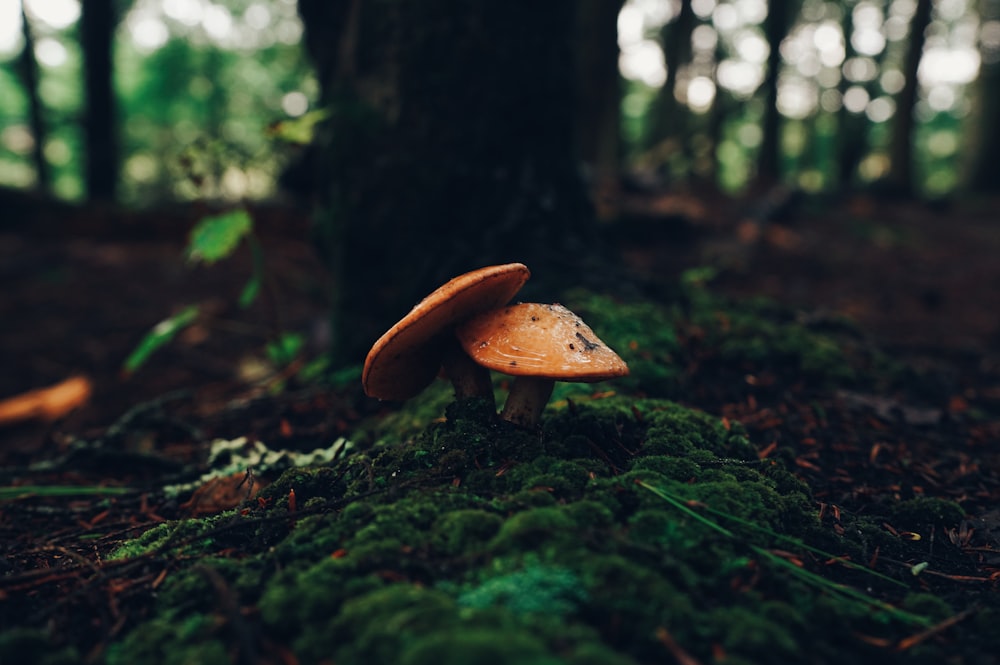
(23, 645)
(380, 626)
(463, 531)
(927, 605)
(923, 512)
(537, 588)
(481, 646)
(534, 528)
(642, 333)
(467, 540)
(751, 335)
(192, 639)
(186, 534)
(763, 634)
(674, 468)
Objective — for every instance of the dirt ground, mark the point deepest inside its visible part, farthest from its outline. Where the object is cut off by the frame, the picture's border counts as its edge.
(920, 280)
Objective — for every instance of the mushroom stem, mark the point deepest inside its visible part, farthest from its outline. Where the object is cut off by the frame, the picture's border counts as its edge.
(527, 399)
(468, 378)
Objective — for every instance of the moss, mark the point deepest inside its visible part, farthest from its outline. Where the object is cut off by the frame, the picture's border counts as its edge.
(537, 588)
(674, 468)
(193, 638)
(193, 535)
(534, 528)
(481, 646)
(472, 538)
(765, 634)
(927, 605)
(596, 654)
(643, 334)
(380, 626)
(463, 531)
(922, 512)
(35, 647)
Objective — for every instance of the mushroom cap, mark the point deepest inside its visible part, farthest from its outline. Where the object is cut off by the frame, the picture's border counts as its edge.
(408, 356)
(531, 339)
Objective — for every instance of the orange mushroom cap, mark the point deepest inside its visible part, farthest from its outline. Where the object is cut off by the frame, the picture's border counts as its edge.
(407, 357)
(531, 339)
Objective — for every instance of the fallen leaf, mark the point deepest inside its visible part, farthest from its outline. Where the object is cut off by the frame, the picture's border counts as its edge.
(46, 404)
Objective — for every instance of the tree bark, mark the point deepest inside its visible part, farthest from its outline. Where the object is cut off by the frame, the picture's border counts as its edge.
(97, 27)
(983, 176)
(598, 92)
(450, 147)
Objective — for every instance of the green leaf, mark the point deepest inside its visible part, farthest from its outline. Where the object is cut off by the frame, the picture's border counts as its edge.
(161, 334)
(284, 349)
(217, 237)
(252, 288)
(315, 369)
(250, 291)
(299, 130)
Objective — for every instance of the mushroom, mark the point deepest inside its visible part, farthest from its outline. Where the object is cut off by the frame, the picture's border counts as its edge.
(538, 344)
(411, 353)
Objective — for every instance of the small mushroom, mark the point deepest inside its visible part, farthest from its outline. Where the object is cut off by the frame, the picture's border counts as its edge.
(538, 344)
(411, 353)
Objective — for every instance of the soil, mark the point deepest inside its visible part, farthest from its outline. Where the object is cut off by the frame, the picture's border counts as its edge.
(918, 281)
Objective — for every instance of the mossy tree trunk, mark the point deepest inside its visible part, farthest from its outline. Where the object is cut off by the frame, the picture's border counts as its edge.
(450, 147)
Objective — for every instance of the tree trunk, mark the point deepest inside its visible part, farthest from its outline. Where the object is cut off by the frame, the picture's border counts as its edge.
(984, 138)
(776, 26)
(598, 95)
(851, 126)
(450, 147)
(97, 27)
(29, 73)
(670, 120)
(901, 163)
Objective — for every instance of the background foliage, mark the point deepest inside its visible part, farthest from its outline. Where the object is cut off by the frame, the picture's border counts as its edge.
(198, 82)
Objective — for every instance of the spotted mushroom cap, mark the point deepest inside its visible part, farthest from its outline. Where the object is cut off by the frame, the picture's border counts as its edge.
(408, 356)
(531, 339)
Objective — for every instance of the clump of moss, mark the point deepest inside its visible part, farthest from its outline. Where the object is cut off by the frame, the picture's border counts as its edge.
(172, 639)
(468, 540)
(535, 588)
(749, 336)
(642, 333)
(23, 645)
(922, 512)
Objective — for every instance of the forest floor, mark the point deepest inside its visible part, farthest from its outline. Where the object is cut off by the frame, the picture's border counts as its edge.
(919, 282)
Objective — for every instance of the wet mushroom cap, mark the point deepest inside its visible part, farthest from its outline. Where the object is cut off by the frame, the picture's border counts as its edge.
(408, 356)
(532, 339)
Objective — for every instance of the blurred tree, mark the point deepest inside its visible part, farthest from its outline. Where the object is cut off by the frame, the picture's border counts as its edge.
(670, 117)
(450, 147)
(984, 138)
(598, 91)
(901, 154)
(852, 125)
(780, 15)
(97, 28)
(29, 73)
